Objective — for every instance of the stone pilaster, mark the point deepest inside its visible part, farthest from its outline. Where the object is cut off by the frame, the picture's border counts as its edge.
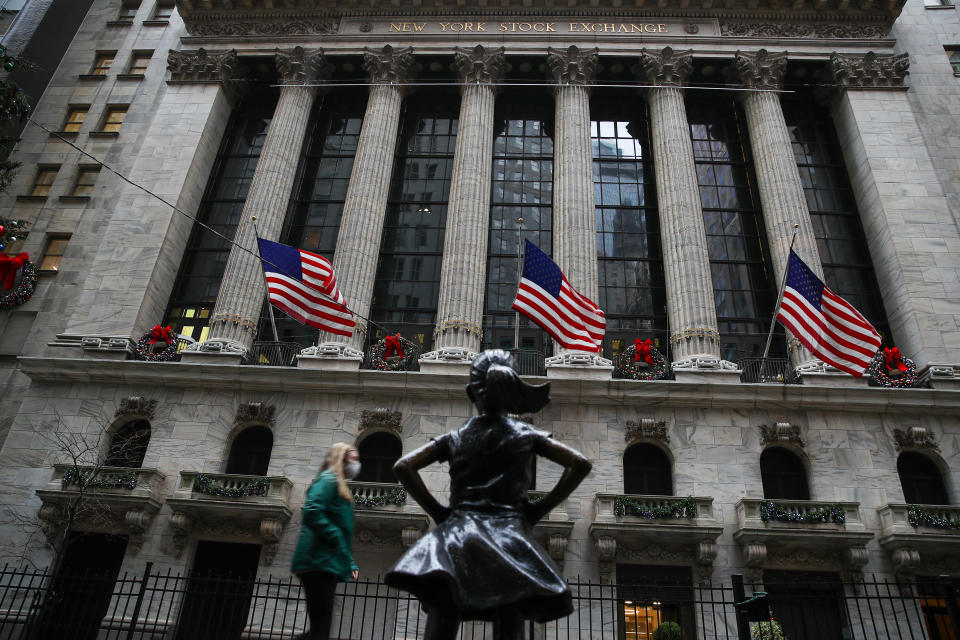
(693, 315)
(233, 324)
(778, 181)
(361, 226)
(458, 331)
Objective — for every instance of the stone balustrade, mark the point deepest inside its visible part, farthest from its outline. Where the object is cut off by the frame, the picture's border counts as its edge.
(919, 537)
(843, 516)
(384, 516)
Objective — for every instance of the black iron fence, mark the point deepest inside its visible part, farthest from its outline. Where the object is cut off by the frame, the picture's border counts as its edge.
(768, 370)
(164, 605)
(273, 354)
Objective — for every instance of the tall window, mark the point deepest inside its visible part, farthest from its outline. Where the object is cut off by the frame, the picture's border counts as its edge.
(128, 446)
(250, 452)
(655, 597)
(920, 479)
(783, 474)
(953, 55)
(522, 188)
(647, 471)
(128, 11)
(808, 604)
(378, 453)
(113, 119)
(408, 275)
(632, 290)
(75, 117)
(743, 290)
(53, 254)
(163, 11)
(139, 62)
(201, 269)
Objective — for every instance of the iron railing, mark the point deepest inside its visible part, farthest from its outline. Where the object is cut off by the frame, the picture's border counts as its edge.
(273, 354)
(768, 370)
(529, 362)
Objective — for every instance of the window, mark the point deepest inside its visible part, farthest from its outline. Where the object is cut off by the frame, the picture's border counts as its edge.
(920, 479)
(953, 55)
(250, 452)
(113, 119)
(783, 474)
(163, 11)
(128, 11)
(139, 62)
(378, 453)
(647, 471)
(86, 177)
(56, 247)
(44, 180)
(129, 445)
(101, 64)
(75, 117)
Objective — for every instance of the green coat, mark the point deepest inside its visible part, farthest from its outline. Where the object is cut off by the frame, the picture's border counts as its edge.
(326, 535)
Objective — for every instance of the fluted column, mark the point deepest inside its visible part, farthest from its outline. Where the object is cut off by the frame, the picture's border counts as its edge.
(463, 275)
(778, 181)
(686, 263)
(361, 225)
(233, 324)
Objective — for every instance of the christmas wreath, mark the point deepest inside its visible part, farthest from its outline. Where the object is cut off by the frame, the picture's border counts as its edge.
(393, 353)
(641, 361)
(146, 346)
(9, 265)
(890, 369)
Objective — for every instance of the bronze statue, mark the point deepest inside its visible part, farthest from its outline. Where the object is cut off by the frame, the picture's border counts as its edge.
(481, 562)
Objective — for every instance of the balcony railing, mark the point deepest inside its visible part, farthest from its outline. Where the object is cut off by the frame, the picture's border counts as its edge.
(919, 537)
(914, 518)
(273, 354)
(758, 513)
(528, 362)
(384, 514)
(640, 509)
(768, 370)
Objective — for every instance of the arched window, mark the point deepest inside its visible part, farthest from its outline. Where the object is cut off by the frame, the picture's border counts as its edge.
(647, 471)
(921, 479)
(250, 452)
(784, 476)
(378, 453)
(129, 445)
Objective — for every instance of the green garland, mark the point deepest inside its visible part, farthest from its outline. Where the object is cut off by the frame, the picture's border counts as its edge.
(769, 510)
(203, 484)
(627, 506)
(396, 496)
(126, 480)
(920, 517)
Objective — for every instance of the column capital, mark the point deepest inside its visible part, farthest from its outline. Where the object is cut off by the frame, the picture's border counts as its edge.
(573, 65)
(868, 71)
(479, 65)
(203, 67)
(666, 68)
(389, 65)
(760, 70)
(302, 66)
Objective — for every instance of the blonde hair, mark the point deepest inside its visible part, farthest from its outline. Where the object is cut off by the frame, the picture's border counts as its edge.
(334, 463)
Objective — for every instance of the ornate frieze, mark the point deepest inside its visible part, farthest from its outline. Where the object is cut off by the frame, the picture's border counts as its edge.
(136, 406)
(914, 437)
(646, 429)
(802, 30)
(869, 71)
(760, 70)
(389, 65)
(666, 68)
(263, 28)
(479, 66)
(255, 412)
(781, 432)
(202, 66)
(302, 66)
(573, 65)
(381, 419)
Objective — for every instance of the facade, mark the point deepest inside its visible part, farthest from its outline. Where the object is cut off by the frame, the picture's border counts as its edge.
(662, 154)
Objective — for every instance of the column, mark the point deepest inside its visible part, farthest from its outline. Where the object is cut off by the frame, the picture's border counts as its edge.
(236, 315)
(458, 330)
(686, 263)
(361, 225)
(778, 181)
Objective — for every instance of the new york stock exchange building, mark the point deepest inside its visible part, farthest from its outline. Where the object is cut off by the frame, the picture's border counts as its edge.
(664, 154)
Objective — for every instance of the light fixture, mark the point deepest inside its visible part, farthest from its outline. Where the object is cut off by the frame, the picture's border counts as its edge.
(424, 209)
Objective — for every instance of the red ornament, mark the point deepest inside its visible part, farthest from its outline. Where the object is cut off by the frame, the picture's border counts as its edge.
(393, 344)
(3, 230)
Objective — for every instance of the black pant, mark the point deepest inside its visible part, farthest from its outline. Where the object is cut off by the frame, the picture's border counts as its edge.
(320, 589)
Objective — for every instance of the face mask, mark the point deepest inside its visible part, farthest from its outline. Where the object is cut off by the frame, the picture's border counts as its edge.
(351, 470)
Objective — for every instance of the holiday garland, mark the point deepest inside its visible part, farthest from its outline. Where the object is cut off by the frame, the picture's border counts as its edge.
(641, 361)
(396, 496)
(144, 347)
(397, 347)
(93, 480)
(204, 484)
(830, 513)
(890, 369)
(28, 280)
(627, 506)
(920, 517)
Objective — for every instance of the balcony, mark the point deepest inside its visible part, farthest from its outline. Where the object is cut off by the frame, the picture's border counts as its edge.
(655, 528)
(919, 535)
(230, 507)
(384, 514)
(767, 371)
(272, 354)
(116, 500)
(553, 531)
(801, 534)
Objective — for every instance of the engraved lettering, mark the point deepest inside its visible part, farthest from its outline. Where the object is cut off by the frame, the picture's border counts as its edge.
(650, 28)
(481, 26)
(662, 28)
(609, 27)
(395, 27)
(526, 26)
(550, 26)
(622, 28)
(503, 26)
(419, 27)
(573, 27)
(636, 28)
(444, 25)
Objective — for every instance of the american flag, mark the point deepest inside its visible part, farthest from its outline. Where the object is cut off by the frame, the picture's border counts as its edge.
(301, 284)
(824, 322)
(547, 298)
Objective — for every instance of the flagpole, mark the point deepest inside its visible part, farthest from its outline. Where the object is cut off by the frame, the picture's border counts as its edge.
(516, 319)
(266, 290)
(776, 310)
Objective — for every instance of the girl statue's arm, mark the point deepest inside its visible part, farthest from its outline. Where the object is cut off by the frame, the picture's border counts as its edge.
(576, 467)
(407, 470)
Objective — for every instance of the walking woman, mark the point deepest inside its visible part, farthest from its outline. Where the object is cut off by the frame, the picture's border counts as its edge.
(324, 552)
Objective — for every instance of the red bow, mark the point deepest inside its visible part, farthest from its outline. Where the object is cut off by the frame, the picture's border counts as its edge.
(9, 265)
(159, 333)
(393, 344)
(893, 359)
(643, 350)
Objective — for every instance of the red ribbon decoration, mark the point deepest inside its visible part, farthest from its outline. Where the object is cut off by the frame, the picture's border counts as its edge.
(159, 333)
(893, 359)
(9, 265)
(643, 350)
(393, 344)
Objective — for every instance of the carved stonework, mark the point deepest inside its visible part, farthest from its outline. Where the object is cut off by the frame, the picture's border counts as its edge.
(136, 406)
(202, 66)
(655, 553)
(646, 429)
(755, 554)
(760, 70)
(409, 535)
(255, 412)
(180, 525)
(573, 65)
(905, 561)
(389, 65)
(302, 66)
(479, 65)
(263, 28)
(914, 437)
(557, 546)
(667, 68)
(781, 432)
(381, 419)
(801, 30)
(606, 556)
(370, 538)
(270, 530)
(869, 71)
